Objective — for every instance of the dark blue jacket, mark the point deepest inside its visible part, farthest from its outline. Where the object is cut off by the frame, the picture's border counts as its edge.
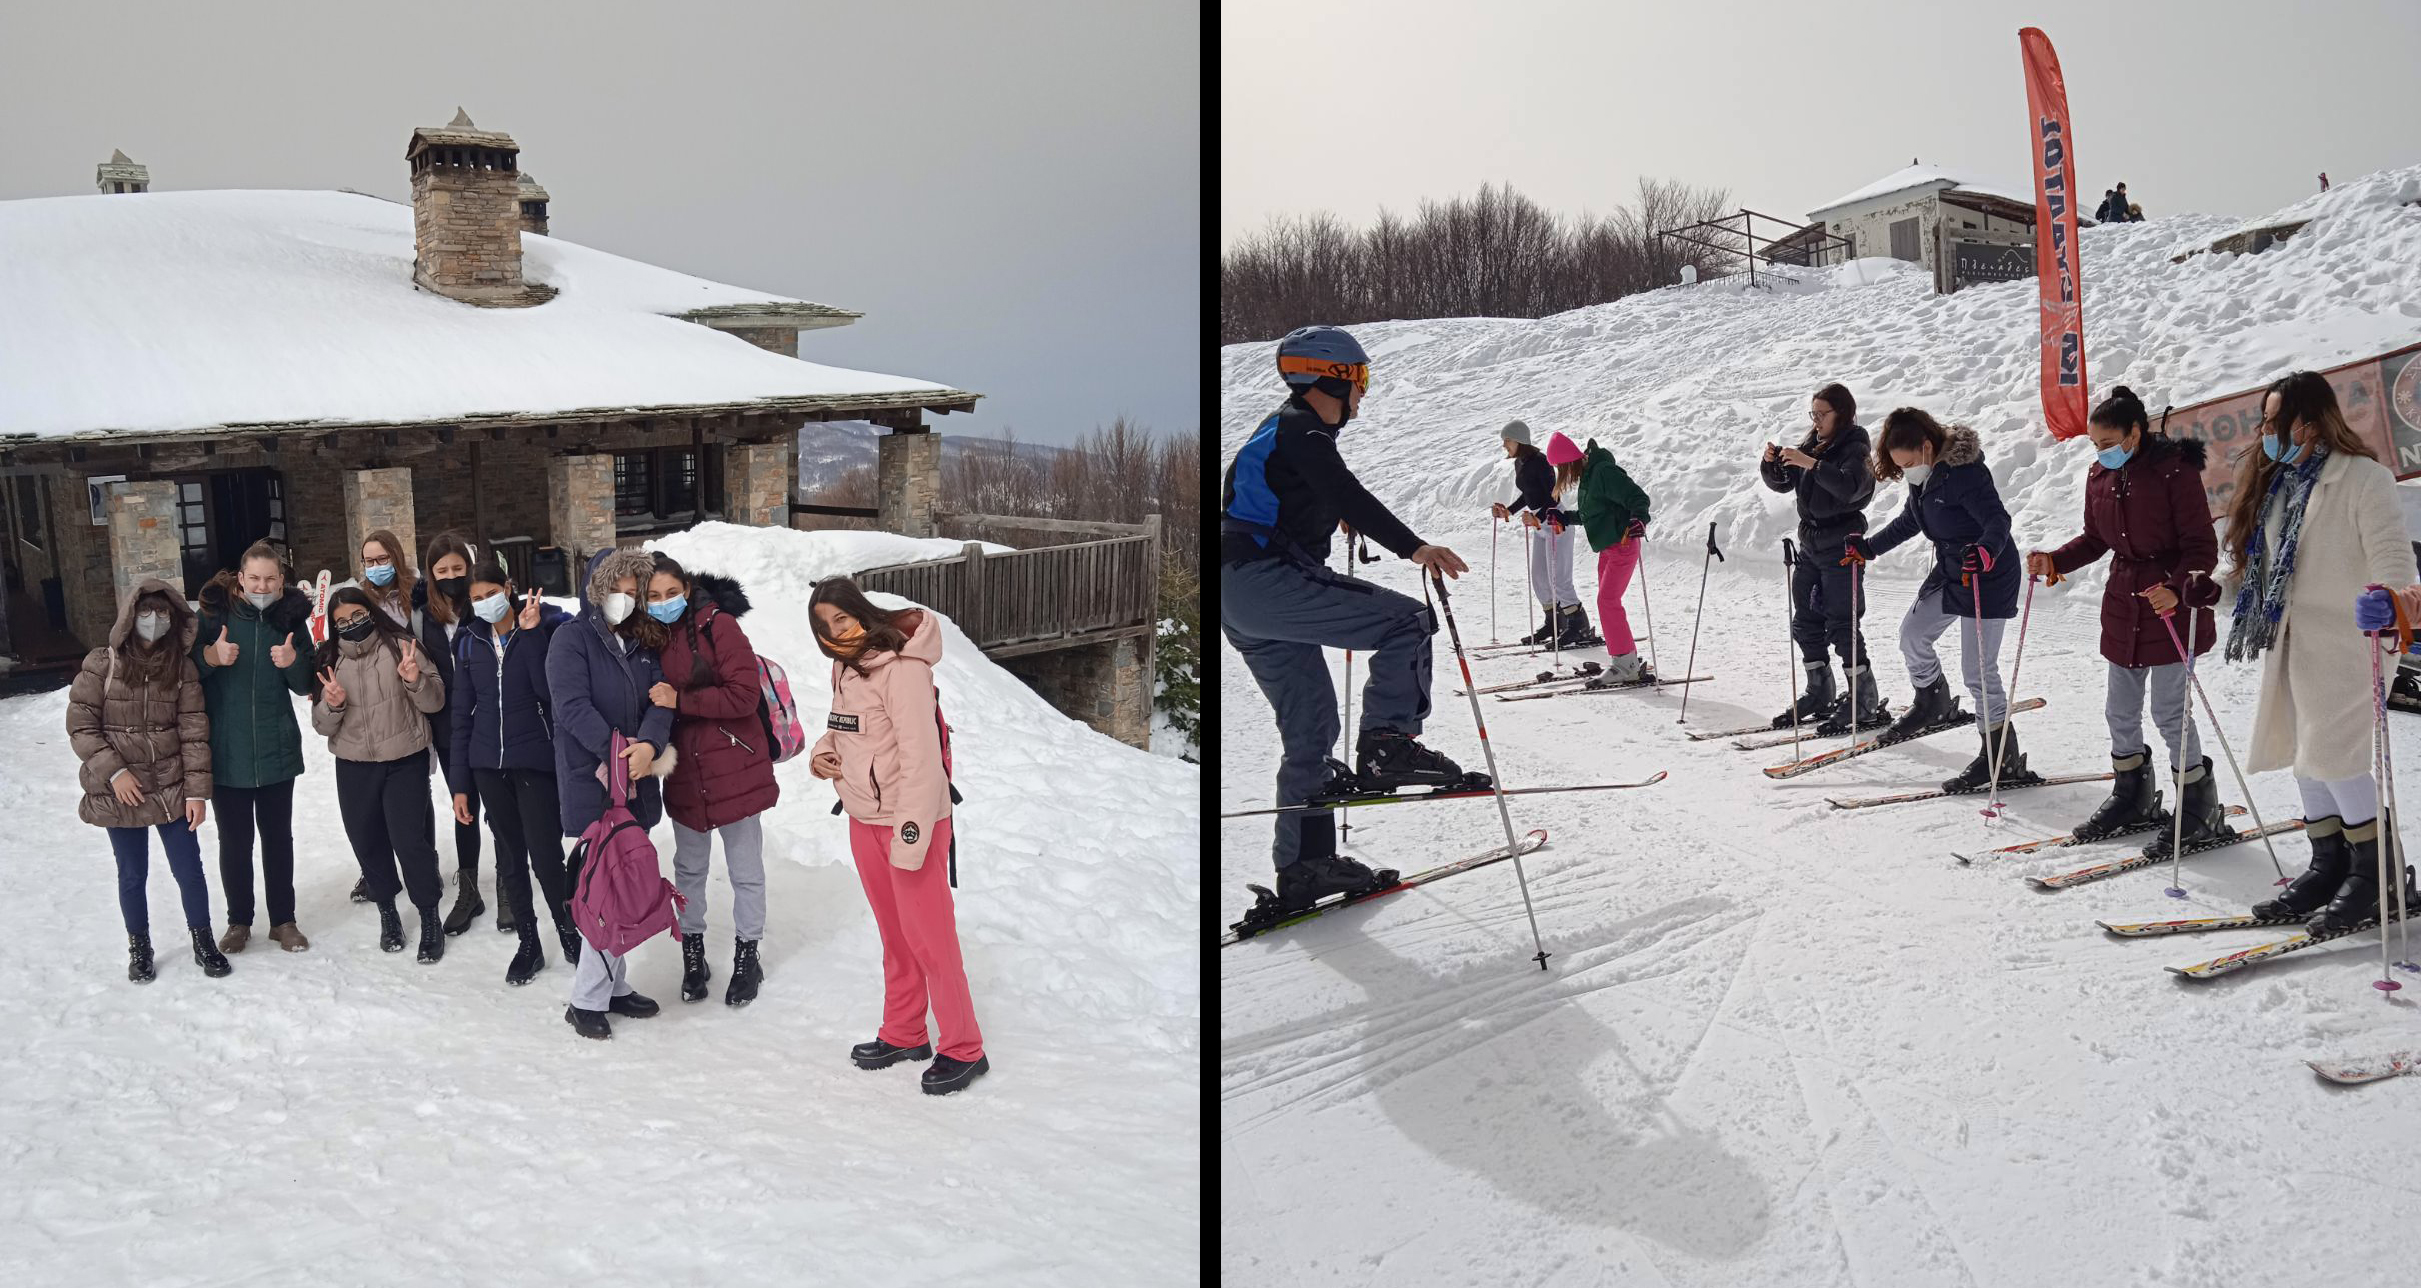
(1287, 490)
(497, 704)
(596, 686)
(1959, 507)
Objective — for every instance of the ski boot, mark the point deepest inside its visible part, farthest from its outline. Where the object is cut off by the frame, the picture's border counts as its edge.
(1814, 704)
(2307, 892)
(1305, 882)
(2011, 761)
(2199, 801)
(2356, 902)
(1858, 694)
(1391, 761)
(1931, 706)
(1574, 631)
(2134, 800)
(2404, 694)
(1622, 672)
(1545, 631)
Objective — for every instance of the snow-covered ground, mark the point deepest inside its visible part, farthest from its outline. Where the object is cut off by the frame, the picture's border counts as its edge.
(349, 1116)
(1779, 1043)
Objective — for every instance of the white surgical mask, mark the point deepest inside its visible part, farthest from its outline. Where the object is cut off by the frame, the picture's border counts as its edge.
(151, 626)
(618, 606)
(260, 598)
(1916, 474)
(492, 609)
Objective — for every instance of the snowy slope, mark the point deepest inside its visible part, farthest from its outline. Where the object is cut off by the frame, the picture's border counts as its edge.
(347, 1116)
(1779, 1043)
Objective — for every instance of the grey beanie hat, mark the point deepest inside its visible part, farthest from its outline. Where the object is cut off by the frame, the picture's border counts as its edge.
(1517, 432)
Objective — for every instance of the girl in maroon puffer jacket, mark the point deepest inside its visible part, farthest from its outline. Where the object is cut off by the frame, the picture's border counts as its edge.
(724, 777)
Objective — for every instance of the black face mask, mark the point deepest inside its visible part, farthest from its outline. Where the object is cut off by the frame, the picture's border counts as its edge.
(454, 588)
(358, 631)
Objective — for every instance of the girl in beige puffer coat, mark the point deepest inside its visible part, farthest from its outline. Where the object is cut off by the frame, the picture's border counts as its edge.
(135, 719)
(372, 701)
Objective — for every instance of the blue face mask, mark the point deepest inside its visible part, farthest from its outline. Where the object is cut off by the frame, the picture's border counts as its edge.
(2269, 448)
(379, 574)
(2113, 457)
(669, 611)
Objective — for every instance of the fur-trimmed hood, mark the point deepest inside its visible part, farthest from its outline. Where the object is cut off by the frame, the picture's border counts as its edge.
(725, 592)
(2193, 451)
(1959, 447)
(609, 566)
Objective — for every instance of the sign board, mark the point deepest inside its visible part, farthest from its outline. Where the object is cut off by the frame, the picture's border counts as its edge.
(97, 489)
(1973, 262)
(2381, 399)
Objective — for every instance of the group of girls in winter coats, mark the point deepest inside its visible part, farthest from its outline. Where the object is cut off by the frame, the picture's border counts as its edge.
(1566, 487)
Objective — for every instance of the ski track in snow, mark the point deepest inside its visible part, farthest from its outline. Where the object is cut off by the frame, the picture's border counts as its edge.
(350, 1116)
(1779, 1043)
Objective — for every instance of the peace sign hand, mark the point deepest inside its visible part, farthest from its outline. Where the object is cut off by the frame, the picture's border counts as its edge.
(330, 691)
(530, 609)
(408, 666)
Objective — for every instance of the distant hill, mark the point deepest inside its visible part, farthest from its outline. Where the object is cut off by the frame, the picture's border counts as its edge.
(828, 449)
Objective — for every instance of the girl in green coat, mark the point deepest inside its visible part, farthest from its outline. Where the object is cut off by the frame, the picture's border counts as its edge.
(1615, 512)
(253, 650)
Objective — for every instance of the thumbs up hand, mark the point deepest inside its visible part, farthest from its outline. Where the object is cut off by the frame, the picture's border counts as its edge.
(222, 651)
(282, 655)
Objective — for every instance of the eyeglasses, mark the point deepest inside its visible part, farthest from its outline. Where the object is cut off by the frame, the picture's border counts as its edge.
(1355, 373)
(355, 620)
(379, 562)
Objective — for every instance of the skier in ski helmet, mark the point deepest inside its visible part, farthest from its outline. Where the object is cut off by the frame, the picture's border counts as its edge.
(2144, 506)
(1283, 496)
(1831, 481)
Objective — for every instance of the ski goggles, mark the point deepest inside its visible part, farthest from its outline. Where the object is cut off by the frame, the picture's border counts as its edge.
(1356, 374)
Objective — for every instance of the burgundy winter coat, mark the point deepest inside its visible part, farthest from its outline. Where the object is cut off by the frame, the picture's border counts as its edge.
(725, 772)
(2151, 517)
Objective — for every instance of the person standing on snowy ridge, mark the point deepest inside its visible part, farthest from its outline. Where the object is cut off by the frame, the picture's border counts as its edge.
(1279, 604)
(2313, 522)
(1614, 512)
(2144, 506)
(1973, 584)
(1832, 482)
(1550, 552)
(2113, 209)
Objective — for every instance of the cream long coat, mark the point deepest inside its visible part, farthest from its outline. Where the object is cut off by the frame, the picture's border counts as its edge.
(2315, 714)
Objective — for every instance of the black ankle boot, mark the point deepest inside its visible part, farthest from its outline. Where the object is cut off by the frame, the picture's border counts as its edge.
(390, 928)
(2308, 892)
(694, 973)
(571, 942)
(529, 959)
(879, 1054)
(745, 974)
(590, 1024)
(207, 955)
(432, 936)
(138, 959)
(2134, 800)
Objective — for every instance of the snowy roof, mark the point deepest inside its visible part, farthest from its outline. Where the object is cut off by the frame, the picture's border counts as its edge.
(1923, 176)
(167, 311)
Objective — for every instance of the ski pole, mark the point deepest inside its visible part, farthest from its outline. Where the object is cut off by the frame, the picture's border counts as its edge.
(1555, 621)
(2401, 642)
(1992, 732)
(2212, 715)
(1529, 596)
(2177, 772)
(2017, 664)
(1857, 573)
(1690, 668)
(1647, 609)
(1495, 526)
(1345, 733)
(1471, 691)
(2381, 765)
(1790, 695)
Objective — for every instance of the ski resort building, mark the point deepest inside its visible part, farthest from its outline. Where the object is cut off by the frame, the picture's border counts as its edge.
(1962, 227)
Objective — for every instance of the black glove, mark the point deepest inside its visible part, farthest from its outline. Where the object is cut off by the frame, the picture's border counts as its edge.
(1855, 550)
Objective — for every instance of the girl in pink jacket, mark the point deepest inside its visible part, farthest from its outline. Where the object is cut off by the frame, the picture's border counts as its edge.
(887, 751)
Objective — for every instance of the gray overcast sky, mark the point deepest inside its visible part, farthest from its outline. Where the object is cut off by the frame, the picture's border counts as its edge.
(1011, 193)
(2218, 106)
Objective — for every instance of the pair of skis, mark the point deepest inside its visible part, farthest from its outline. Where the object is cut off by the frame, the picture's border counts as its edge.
(2229, 963)
(1407, 798)
(1834, 757)
(1582, 672)
(1600, 685)
(1265, 918)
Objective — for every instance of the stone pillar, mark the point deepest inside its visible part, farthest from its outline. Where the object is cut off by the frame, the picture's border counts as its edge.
(1128, 681)
(580, 508)
(756, 483)
(907, 481)
(376, 499)
(773, 339)
(143, 537)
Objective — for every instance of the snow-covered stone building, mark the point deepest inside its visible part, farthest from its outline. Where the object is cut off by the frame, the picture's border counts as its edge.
(1917, 212)
(182, 373)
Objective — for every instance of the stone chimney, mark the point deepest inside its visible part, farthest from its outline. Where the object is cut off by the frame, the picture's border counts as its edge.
(119, 174)
(466, 223)
(533, 205)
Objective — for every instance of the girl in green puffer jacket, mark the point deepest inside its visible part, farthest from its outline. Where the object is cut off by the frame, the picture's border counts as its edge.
(1614, 511)
(253, 651)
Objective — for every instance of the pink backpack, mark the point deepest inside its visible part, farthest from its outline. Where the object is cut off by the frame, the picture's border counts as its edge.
(623, 899)
(784, 735)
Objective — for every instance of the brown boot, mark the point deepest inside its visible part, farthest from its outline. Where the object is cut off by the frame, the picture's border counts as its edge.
(234, 940)
(289, 937)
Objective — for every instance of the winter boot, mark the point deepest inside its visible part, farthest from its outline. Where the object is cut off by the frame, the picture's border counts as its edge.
(1814, 704)
(590, 1024)
(638, 1006)
(138, 959)
(1391, 761)
(879, 1054)
(2357, 900)
(2330, 859)
(289, 936)
(1306, 881)
(2204, 820)
(529, 959)
(467, 904)
(361, 891)
(571, 941)
(1931, 706)
(1575, 632)
(1858, 695)
(206, 954)
(745, 974)
(2134, 800)
(236, 937)
(390, 928)
(432, 937)
(508, 920)
(694, 973)
(1627, 669)
(946, 1075)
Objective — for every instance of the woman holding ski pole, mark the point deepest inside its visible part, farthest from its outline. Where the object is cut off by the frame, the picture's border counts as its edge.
(1974, 580)
(2144, 506)
(1831, 482)
(1612, 511)
(1550, 551)
(2312, 523)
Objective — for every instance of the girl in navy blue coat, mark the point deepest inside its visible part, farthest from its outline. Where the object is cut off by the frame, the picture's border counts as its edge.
(600, 668)
(1973, 584)
(503, 755)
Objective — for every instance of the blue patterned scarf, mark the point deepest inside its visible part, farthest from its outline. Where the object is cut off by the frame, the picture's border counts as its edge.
(2261, 600)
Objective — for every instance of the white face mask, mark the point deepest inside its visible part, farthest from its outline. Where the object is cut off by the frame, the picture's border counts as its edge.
(492, 609)
(1916, 474)
(151, 626)
(618, 606)
(260, 598)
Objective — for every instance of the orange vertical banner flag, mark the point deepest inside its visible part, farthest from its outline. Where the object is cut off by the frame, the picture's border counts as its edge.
(2058, 270)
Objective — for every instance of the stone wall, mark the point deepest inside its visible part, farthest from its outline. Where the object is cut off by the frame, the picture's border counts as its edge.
(466, 230)
(580, 507)
(783, 340)
(1107, 686)
(756, 483)
(142, 542)
(85, 580)
(376, 499)
(907, 482)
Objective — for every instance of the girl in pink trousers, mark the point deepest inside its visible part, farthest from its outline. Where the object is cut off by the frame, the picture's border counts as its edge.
(887, 751)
